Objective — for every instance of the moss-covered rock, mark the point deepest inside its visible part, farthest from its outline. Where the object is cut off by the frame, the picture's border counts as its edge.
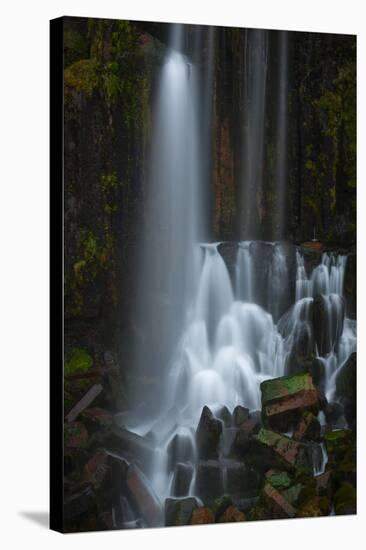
(308, 427)
(273, 450)
(285, 399)
(345, 501)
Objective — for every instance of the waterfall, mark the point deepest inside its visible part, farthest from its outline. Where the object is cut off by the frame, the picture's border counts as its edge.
(174, 214)
(212, 329)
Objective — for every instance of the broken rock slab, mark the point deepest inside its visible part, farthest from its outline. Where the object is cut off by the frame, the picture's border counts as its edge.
(144, 500)
(270, 449)
(285, 399)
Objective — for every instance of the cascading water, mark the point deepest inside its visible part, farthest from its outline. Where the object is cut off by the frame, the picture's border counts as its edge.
(174, 214)
(220, 331)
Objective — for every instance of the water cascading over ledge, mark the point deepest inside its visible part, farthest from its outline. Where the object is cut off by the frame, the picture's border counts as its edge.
(224, 327)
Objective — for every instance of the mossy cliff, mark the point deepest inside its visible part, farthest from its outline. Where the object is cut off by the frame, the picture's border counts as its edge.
(110, 72)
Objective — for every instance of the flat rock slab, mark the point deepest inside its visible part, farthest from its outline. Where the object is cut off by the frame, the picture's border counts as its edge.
(285, 399)
(275, 450)
(277, 504)
(84, 402)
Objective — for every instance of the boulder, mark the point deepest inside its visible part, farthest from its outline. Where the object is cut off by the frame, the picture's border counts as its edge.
(145, 502)
(232, 514)
(208, 435)
(201, 516)
(209, 480)
(308, 428)
(240, 415)
(179, 511)
(180, 449)
(285, 399)
(183, 474)
(270, 449)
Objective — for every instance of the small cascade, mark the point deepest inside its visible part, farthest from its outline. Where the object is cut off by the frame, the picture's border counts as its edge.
(230, 344)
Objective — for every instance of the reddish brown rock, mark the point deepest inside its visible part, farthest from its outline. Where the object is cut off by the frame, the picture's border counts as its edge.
(201, 516)
(285, 399)
(324, 484)
(308, 428)
(273, 450)
(232, 514)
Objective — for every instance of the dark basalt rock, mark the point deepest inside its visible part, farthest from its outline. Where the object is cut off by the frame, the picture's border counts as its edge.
(270, 449)
(182, 480)
(179, 511)
(209, 480)
(180, 449)
(241, 481)
(225, 415)
(208, 435)
(240, 415)
(346, 389)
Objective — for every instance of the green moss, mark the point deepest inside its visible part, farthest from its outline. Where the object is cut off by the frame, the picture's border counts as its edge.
(286, 385)
(108, 182)
(77, 360)
(345, 500)
(81, 76)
